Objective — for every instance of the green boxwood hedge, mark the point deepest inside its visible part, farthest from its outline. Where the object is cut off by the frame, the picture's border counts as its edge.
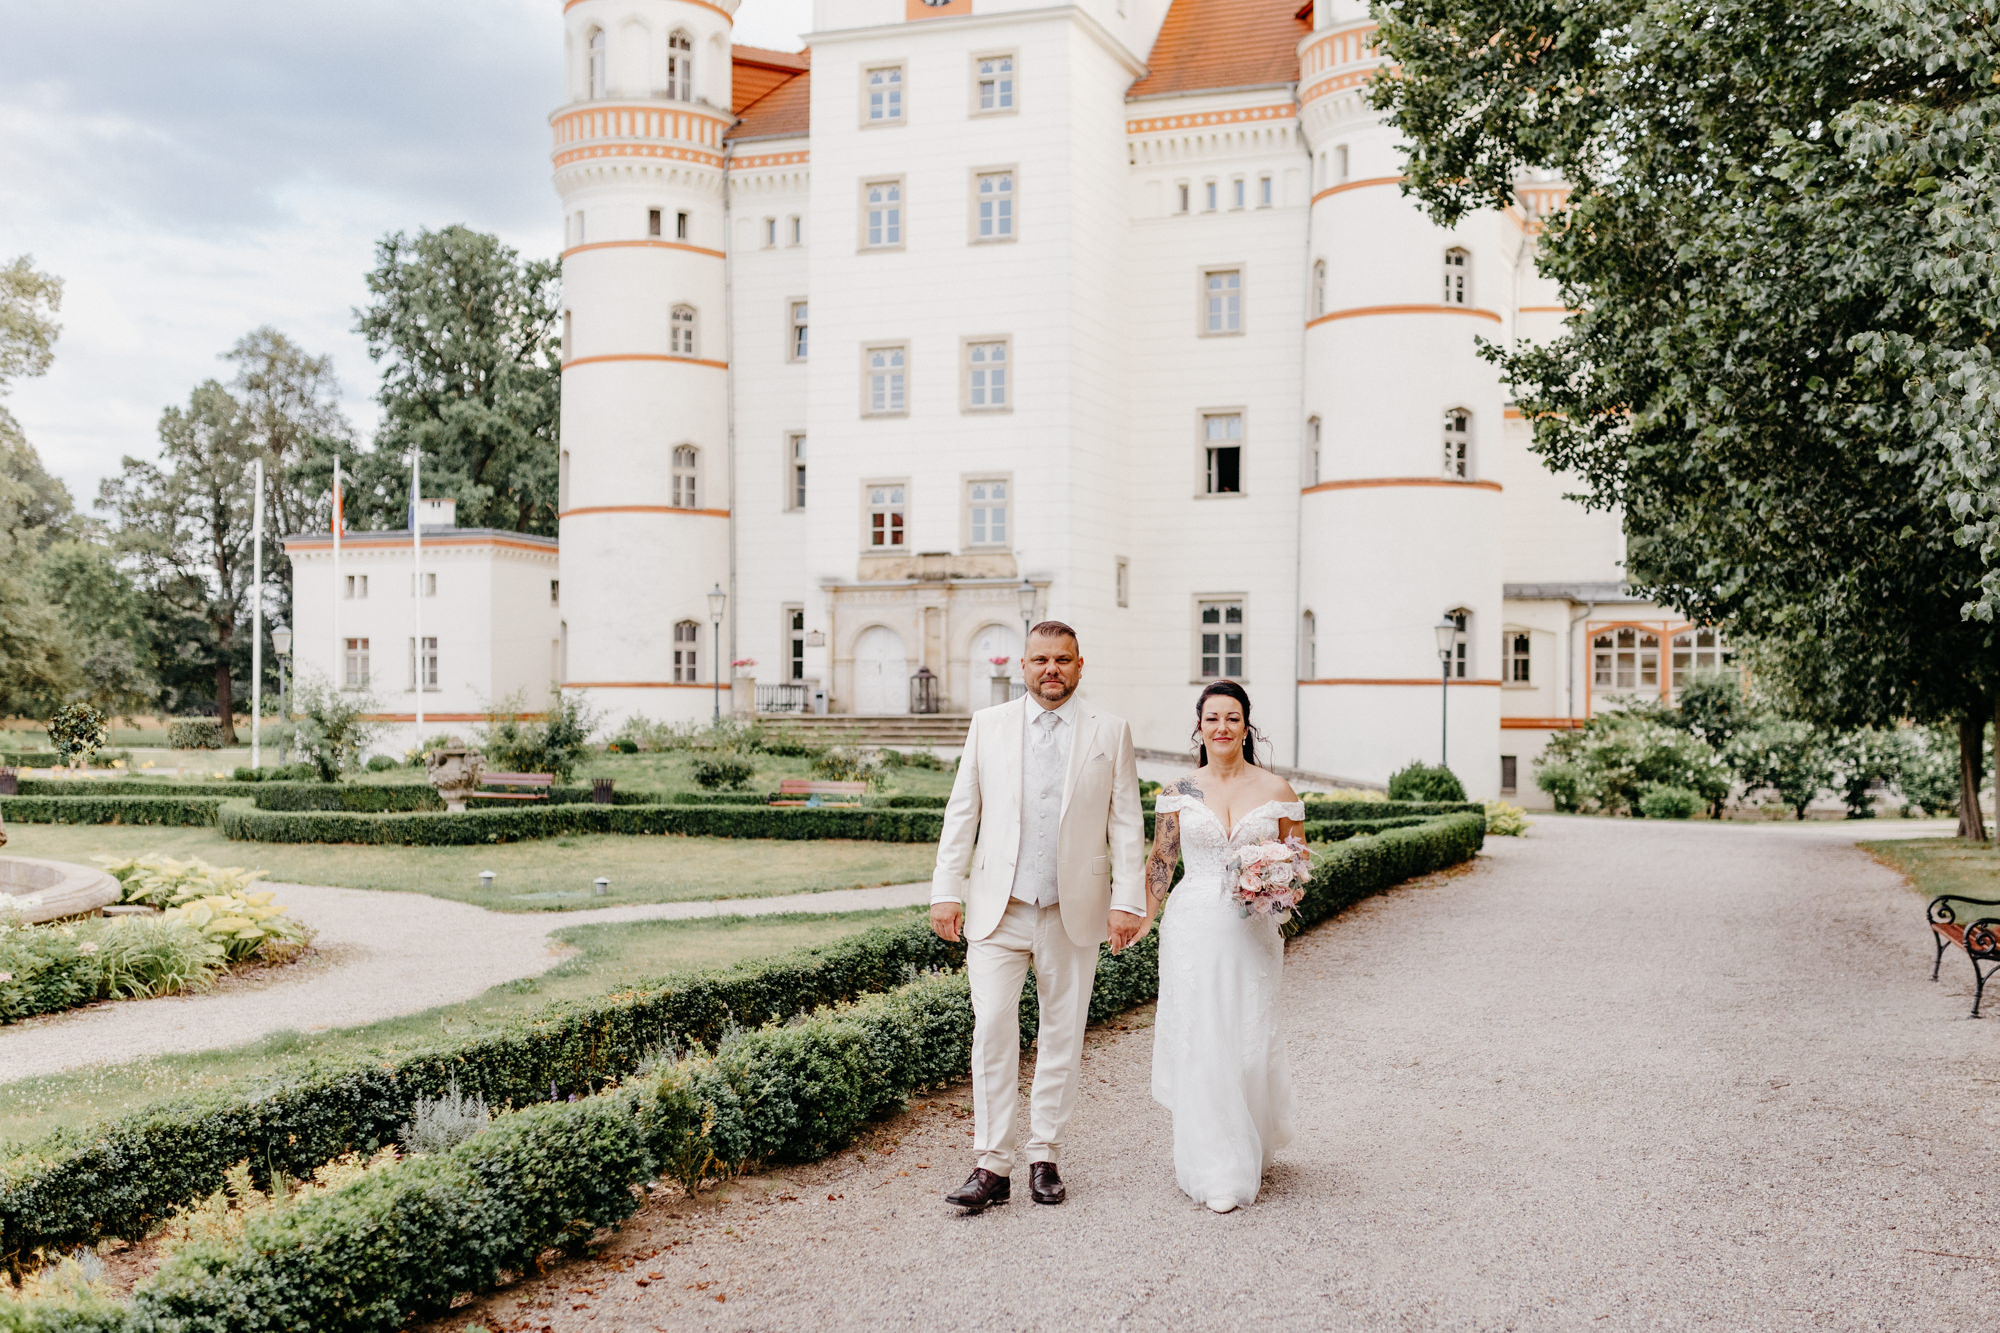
(244, 821)
(116, 1178)
(195, 810)
(71, 788)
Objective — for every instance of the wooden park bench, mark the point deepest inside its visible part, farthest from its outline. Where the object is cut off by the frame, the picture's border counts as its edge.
(530, 780)
(808, 791)
(1979, 938)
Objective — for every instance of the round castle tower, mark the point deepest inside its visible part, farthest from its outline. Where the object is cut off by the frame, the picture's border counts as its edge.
(1401, 520)
(645, 484)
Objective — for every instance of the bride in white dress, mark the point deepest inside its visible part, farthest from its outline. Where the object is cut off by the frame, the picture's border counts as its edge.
(1218, 1046)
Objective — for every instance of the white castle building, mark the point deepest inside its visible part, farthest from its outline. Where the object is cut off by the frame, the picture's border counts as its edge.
(1117, 299)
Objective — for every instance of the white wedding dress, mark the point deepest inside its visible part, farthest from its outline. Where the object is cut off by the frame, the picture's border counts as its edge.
(1218, 1048)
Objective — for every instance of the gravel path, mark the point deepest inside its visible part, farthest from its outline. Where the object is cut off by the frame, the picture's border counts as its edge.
(1617, 1075)
(381, 955)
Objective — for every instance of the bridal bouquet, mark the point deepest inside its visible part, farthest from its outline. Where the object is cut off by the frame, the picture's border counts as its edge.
(1269, 878)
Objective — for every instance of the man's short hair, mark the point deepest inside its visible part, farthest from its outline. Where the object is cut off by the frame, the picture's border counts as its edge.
(1055, 629)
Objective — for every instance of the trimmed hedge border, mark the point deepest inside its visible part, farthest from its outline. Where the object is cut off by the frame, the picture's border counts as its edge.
(177, 810)
(242, 821)
(74, 788)
(114, 1179)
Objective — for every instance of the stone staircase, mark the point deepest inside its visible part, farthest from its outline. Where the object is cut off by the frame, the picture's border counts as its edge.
(938, 730)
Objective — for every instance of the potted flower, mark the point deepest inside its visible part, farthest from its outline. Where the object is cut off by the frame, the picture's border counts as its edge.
(999, 665)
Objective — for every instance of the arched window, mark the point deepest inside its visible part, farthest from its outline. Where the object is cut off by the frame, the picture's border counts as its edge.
(687, 477)
(1457, 443)
(1625, 659)
(687, 652)
(1319, 288)
(1457, 275)
(599, 64)
(680, 67)
(683, 330)
(1308, 647)
(1312, 451)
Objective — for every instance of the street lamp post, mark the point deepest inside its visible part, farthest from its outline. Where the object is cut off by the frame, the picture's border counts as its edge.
(717, 600)
(1447, 638)
(281, 642)
(1025, 595)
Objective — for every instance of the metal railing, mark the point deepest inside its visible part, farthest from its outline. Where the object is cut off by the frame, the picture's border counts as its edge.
(786, 697)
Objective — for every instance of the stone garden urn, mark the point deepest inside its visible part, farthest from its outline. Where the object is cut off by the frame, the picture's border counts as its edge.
(454, 772)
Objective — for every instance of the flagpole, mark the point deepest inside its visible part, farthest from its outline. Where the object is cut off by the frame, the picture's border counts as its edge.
(417, 545)
(339, 665)
(257, 621)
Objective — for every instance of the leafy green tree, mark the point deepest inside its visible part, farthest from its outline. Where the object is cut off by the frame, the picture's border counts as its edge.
(553, 743)
(1788, 758)
(1742, 260)
(466, 334)
(1610, 763)
(332, 730)
(34, 506)
(186, 521)
(104, 622)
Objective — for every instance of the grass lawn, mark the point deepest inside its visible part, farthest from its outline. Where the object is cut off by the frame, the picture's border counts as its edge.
(538, 876)
(1943, 865)
(609, 957)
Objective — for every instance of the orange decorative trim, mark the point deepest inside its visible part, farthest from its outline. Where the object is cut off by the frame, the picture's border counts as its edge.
(770, 160)
(626, 245)
(1364, 483)
(1549, 310)
(1203, 119)
(1357, 185)
(643, 356)
(1359, 311)
(363, 541)
(1344, 47)
(640, 509)
(574, 155)
(572, 4)
(638, 685)
(1430, 681)
(1542, 723)
(1327, 87)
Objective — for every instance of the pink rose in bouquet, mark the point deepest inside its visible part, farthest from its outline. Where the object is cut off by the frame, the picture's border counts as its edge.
(1269, 878)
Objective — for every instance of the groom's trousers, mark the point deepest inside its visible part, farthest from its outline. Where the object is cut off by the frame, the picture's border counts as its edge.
(996, 967)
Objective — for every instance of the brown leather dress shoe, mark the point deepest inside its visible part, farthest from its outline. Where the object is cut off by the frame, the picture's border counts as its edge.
(981, 1189)
(1044, 1185)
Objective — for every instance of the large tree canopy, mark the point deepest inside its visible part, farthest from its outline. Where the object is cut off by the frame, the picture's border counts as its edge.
(466, 333)
(1753, 258)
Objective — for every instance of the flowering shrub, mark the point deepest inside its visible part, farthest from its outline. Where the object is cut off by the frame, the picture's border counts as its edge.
(77, 731)
(1504, 820)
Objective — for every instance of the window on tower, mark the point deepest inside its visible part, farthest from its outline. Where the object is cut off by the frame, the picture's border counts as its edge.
(1457, 270)
(680, 68)
(1222, 301)
(995, 85)
(1457, 443)
(683, 330)
(1219, 640)
(1264, 199)
(1183, 187)
(687, 652)
(884, 103)
(770, 232)
(797, 347)
(1319, 288)
(598, 63)
(687, 477)
(680, 226)
(1517, 657)
(1222, 452)
(1312, 451)
(1308, 646)
(795, 469)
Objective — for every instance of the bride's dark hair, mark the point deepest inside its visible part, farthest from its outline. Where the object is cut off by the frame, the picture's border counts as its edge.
(1229, 689)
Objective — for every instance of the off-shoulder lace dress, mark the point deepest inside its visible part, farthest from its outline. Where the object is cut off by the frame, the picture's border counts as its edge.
(1218, 1048)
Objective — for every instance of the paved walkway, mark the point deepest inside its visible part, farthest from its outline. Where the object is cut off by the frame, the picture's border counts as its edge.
(382, 955)
(1618, 1075)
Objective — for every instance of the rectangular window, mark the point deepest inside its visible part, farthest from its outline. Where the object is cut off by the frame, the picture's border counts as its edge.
(882, 214)
(680, 226)
(795, 643)
(1264, 192)
(1516, 657)
(995, 85)
(1340, 162)
(1222, 443)
(885, 390)
(1221, 640)
(355, 673)
(1510, 774)
(1210, 188)
(1625, 659)
(424, 665)
(986, 512)
(687, 652)
(555, 592)
(770, 232)
(993, 197)
(798, 339)
(1183, 187)
(985, 376)
(795, 468)
(430, 584)
(1222, 301)
(1241, 194)
(798, 230)
(1123, 581)
(652, 222)
(885, 517)
(885, 95)
(357, 587)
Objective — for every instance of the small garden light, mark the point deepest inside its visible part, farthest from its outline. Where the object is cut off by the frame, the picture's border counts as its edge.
(485, 879)
(602, 885)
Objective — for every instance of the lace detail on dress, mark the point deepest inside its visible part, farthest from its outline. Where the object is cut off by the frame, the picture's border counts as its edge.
(1169, 802)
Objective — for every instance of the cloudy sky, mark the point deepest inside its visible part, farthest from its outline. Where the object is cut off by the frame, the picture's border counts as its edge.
(194, 170)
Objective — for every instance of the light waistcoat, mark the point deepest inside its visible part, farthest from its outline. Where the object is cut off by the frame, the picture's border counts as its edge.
(1046, 741)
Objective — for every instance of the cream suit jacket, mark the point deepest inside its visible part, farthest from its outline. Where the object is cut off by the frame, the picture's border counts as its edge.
(1101, 844)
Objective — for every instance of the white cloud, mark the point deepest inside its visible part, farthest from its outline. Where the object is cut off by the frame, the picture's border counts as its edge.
(192, 172)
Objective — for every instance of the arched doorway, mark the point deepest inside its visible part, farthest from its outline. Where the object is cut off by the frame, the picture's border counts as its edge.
(881, 672)
(990, 642)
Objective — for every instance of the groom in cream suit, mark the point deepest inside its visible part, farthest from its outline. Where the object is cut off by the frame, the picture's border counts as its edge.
(1047, 785)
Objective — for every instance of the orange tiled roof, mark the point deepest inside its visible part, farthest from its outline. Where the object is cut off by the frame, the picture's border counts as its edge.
(781, 113)
(757, 72)
(1211, 44)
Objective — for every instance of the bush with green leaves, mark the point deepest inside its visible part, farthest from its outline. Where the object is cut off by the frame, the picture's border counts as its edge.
(78, 731)
(48, 968)
(722, 770)
(380, 763)
(332, 731)
(1607, 764)
(844, 764)
(1929, 778)
(1791, 760)
(1659, 801)
(194, 733)
(1504, 820)
(556, 742)
(1418, 781)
